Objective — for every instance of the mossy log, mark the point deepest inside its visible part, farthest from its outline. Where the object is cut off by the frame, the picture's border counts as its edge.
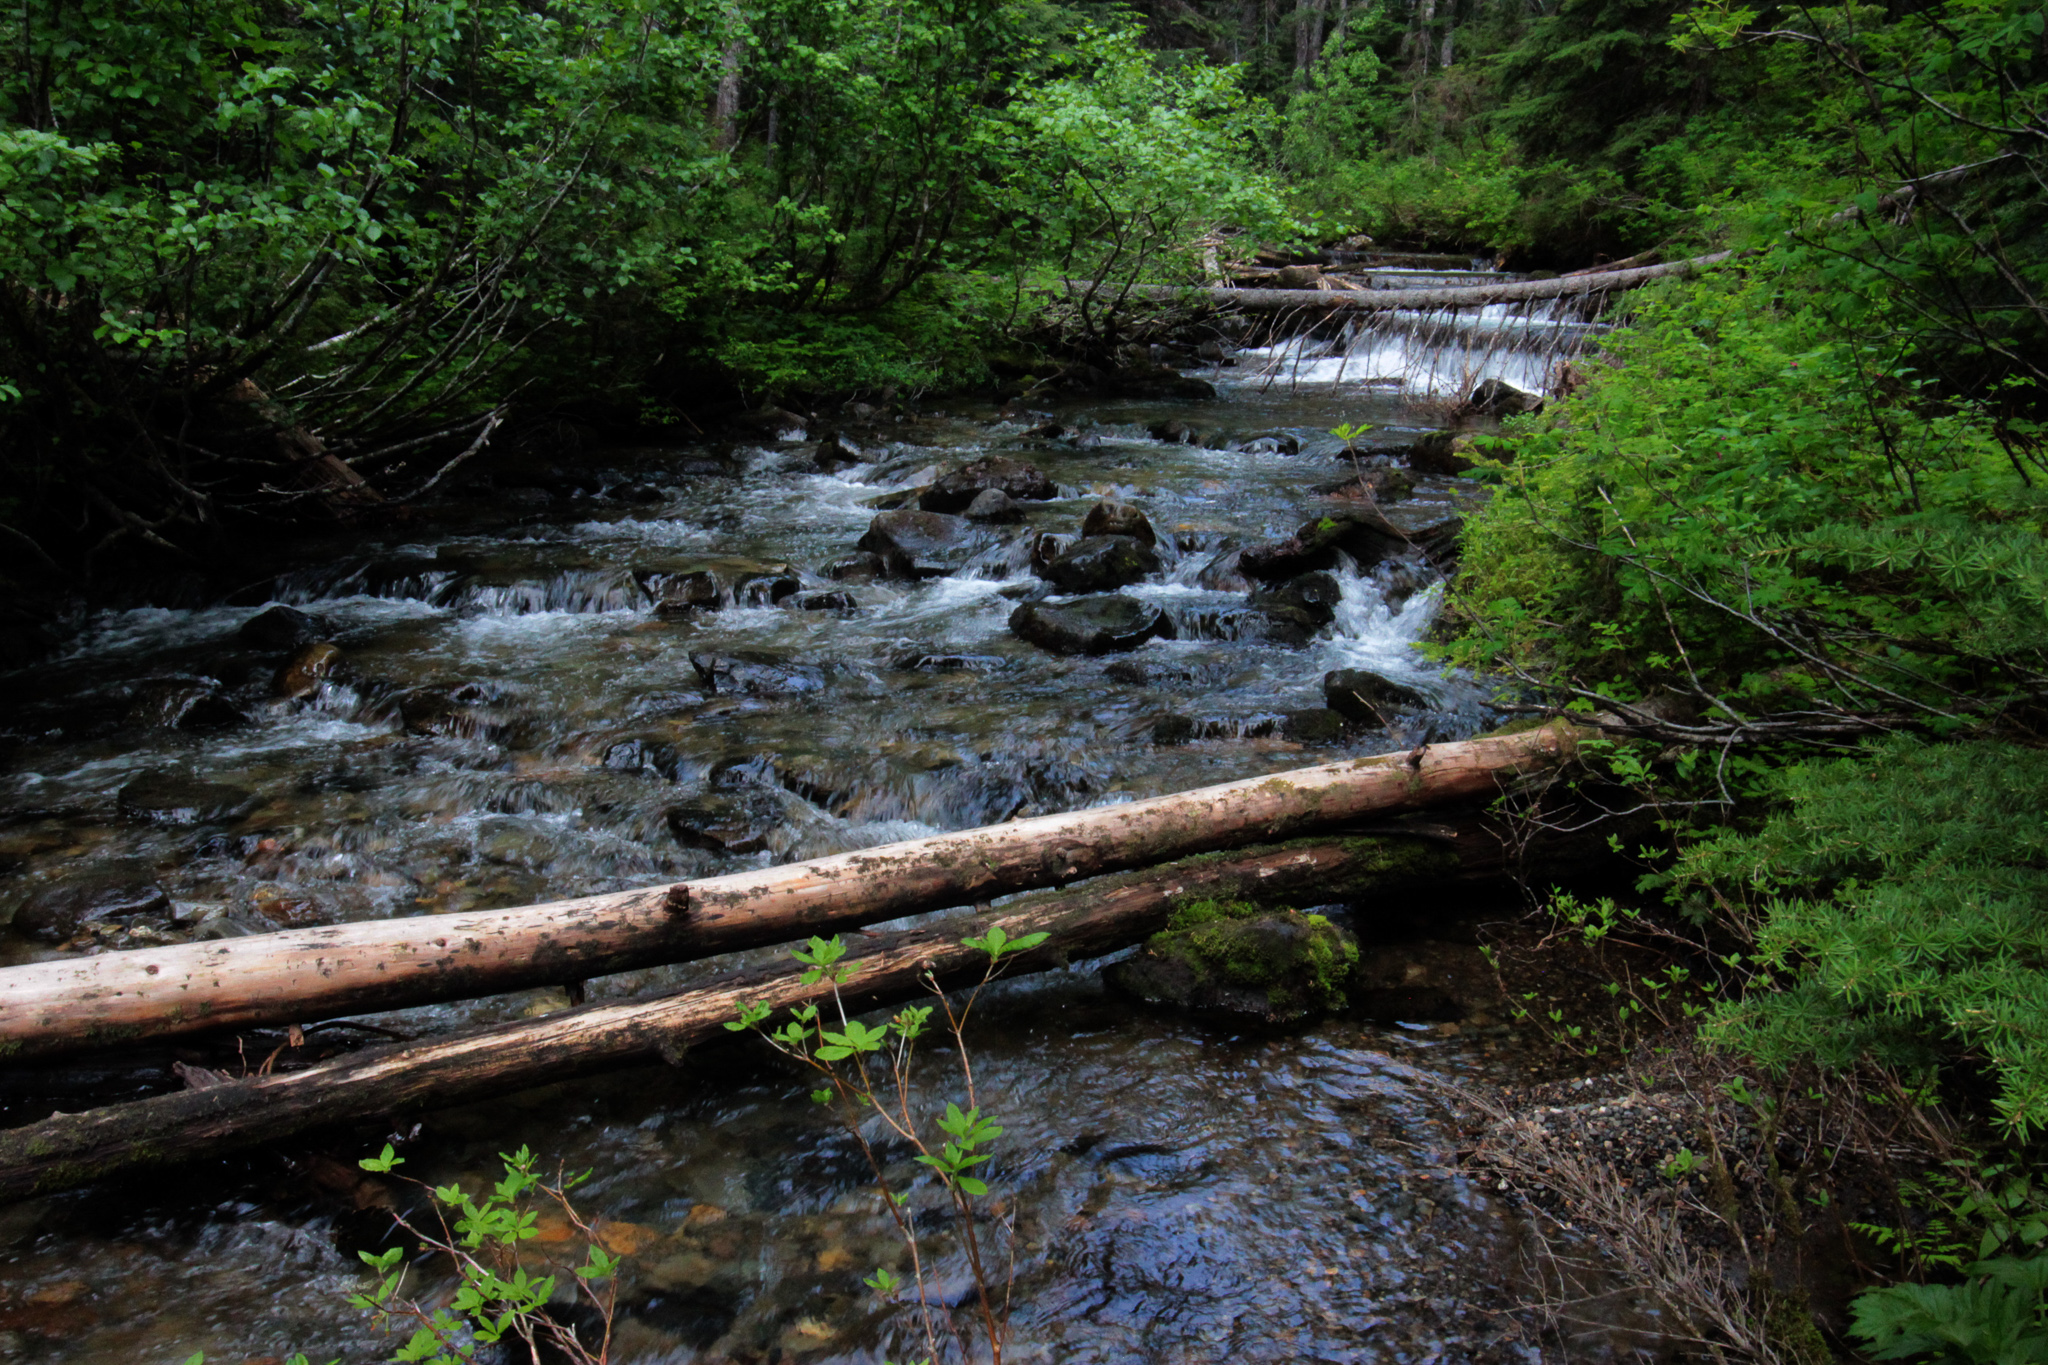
(302, 976)
(1390, 300)
(66, 1150)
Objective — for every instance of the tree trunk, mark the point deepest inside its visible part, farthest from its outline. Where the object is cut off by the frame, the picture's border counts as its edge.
(1389, 300)
(725, 112)
(309, 974)
(223, 1114)
(1308, 36)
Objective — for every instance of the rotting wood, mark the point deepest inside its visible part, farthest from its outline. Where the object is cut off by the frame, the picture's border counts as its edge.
(300, 976)
(1388, 300)
(227, 1113)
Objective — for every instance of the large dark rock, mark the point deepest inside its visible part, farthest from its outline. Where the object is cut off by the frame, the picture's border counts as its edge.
(464, 711)
(1378, 484)
(930, 544)
(1160, 382)
(182, 704)
(837, 452)
(1369, 698)
(302, 674)
(727, 822)
(1360, 532)
(56, 913)
(174, 799)
(281, 628)
(1305, 604)
(1118, 519)
(1109, 624)
(1233, 959)
(956, 491)
(1101, 564)
(994, 507)
(721, 584)
(1498, 398)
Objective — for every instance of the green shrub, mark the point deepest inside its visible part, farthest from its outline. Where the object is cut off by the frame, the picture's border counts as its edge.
(1899, 899)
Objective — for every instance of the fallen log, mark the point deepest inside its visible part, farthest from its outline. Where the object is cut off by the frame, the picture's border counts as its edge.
(305, 975)
(1389, 300)
(227, 1114)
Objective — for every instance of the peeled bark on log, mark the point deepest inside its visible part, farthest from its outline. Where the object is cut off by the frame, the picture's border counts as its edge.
(1387, 300)
(66, 1150)
(301, 976)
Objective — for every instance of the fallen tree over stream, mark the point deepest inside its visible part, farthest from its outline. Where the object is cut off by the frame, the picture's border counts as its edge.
(301, 976)
(1391, 300)
(222, 1114)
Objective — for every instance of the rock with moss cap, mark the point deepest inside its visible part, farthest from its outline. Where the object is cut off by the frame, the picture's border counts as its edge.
(1243, 962)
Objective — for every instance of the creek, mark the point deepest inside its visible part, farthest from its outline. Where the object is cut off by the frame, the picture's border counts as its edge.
(514, 719)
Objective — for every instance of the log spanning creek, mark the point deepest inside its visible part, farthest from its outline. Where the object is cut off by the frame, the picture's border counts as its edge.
(589, 670)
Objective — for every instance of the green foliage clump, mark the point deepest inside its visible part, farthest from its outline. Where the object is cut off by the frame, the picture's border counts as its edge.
(1744, 507)
(1897, 900)
(1302, 963)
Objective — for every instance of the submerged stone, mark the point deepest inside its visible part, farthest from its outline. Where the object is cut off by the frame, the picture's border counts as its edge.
(173, 799)
(1242, 961)
(56, 913)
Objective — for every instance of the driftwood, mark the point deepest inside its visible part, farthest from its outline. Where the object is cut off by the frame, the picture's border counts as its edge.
(1389, 300)
(222, 1114)
(300, 976)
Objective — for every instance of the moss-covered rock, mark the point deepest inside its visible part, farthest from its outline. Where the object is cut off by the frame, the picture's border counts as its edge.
(1234, 958)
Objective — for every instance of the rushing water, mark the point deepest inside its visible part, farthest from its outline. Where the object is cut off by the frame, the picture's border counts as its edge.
(514, 722)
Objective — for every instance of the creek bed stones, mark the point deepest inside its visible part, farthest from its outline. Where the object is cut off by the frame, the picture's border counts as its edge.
(1109, 623)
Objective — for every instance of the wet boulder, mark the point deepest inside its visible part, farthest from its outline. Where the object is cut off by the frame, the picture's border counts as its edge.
(281, 628)
(1319, 725)
(1236, 960)
(56, 913)
(1362, 533)
(174, 799)
(1271, 443)
(1224, 573)
(770, 424)
(656, 756)
(1306, 604)
(751, 674)
(931, 544)
(843, 602)
(685, 594)
(836, 453)
(464, 711)
(865, 566)
(1368, 698)
(1498, 398)
(302, 674)
(1109, 624)
(1161, 381)
(182, 704)
(1101, 564)
(1108, 518)
(727, 821)
(1173, 433)
(1380, 483)
(955, 492)
(994, 507)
